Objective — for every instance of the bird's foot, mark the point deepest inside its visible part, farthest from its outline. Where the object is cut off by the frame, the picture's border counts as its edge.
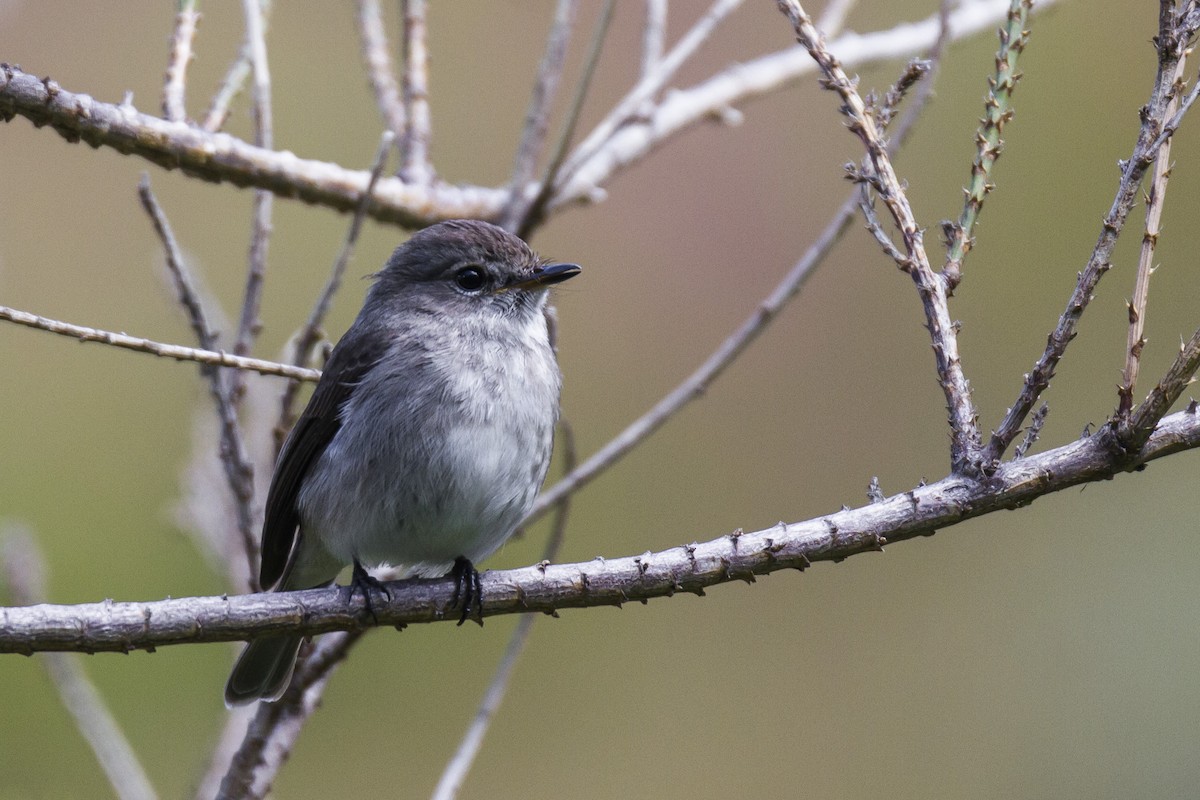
(362, 582)
(468, 590)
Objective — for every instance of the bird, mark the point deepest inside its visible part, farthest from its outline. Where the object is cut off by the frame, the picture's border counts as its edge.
(427, 437)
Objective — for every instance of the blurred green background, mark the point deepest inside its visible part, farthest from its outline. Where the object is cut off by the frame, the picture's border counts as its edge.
(1050, 652)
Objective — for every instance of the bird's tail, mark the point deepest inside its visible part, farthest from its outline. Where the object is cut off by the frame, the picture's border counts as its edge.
(263, 670)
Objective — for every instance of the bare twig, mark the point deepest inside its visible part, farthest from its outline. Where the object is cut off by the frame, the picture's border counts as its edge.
(260, 233)
(1141, 287)
(533, 214)
(310, 333)
(1152, 135)
(235, 80)
(175, 82)
(239, 471)
(1133, 433)
(964, 443)
(537, 118)
(997, 112)
(654, 36)
(418, 135)
(126, 626)
(178, 352)
(464, 757)
(24, 572)
(1035, 430)
(378, 59)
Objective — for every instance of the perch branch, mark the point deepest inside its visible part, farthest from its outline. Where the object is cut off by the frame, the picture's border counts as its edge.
(126, 626)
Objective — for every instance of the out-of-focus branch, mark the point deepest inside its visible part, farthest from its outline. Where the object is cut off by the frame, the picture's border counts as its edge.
(24, 572)
(175, 82)
(537, 118)
(654, 35)
(124, 627)
(378, 59)
(214, 358)
(234, 82)
(964, 432)
(249, 324)
(418, 134)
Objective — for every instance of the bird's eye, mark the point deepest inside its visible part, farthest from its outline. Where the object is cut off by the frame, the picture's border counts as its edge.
(470, 279)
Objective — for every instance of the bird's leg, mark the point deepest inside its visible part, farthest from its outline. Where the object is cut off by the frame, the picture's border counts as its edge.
(362, 582)
(468, 590)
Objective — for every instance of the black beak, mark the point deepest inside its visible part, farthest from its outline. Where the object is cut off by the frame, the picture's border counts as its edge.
(548, 275)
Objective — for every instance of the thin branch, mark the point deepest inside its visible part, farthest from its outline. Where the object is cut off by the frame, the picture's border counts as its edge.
(1135, 341)
(1133, 434)
(215, 358)
(1152, 135)
(175, 81)
(464, 757)
(25, 573)
(127, 626)
(310, 333)
(418, 134)
(234, 82)
(534, 212)
(1035, 430)
(239, 471)
(249, 324)
(964, 433)
(654, 36)
(997, 111)
(377, 57)
(537, 118)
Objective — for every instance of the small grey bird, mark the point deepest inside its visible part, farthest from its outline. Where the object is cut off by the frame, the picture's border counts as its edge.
(427, 437)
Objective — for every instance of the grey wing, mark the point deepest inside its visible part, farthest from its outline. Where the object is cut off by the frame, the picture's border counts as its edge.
(353, 356)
